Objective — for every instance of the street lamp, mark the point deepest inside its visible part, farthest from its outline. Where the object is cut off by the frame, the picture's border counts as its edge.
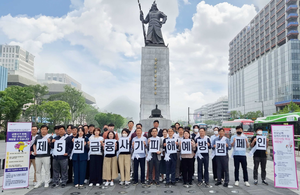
(262, 106)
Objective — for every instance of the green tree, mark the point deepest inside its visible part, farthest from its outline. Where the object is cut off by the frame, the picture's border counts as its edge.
(75, 100)
(102, 119)
(291, 107)
(6, 104)
(22, 96)
(106, 118)
(88, 114)
(56, 112)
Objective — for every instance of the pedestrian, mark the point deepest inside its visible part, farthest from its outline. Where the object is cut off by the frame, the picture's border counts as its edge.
(34, 131)
(80, 159)
(42, 160)
(203, 145)
(111, 128)
(222, 157)
(170, 158)
(110, 164)
(179, 137)
(259, 158)
(96, 159)
(70, 162)
(124, 159)
(155, 158)
(60, 161)
(139, 144)
(239, 142)
(214, 161)
(187, 160)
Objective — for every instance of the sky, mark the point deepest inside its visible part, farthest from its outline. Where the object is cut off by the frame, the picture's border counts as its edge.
(98, 43)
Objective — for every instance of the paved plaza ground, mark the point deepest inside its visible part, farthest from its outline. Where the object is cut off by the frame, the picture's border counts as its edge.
(176, 190)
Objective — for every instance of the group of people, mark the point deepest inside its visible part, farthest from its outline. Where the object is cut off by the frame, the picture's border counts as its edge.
(98, 157)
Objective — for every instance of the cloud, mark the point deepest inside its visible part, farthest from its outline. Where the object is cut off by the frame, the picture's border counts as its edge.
(186, 2)
(104, 40)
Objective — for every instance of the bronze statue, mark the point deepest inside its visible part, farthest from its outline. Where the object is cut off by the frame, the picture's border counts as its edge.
(156, 19)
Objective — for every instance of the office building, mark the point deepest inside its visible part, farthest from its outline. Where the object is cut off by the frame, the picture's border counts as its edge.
(264, 60)
(3, 78)
(217, 111)
(57, 81)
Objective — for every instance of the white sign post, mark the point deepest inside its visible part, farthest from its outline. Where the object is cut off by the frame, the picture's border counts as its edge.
(124, 144)
(59, 147)
(154, 145)
(285, 167)
(171, 146)
(202, 146)
(16, 170)
(139, 146)
(261, 142)
(78, 147)
(41, 146)
(95, 146)
(240, 144)
(110, 146)
(186, 146)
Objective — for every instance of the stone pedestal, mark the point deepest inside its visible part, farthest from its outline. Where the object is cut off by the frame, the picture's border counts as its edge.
(148, 123)
(155, 83)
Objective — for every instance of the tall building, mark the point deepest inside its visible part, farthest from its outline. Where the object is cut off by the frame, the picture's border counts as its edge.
(14, 58)
(217, 111)
(264, 60)
(57, 81)
(3, 78)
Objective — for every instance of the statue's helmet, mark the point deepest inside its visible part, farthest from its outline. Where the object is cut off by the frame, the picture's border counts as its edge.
(154, 6)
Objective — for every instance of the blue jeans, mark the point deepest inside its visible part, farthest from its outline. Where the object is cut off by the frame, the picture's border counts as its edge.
(171, 168)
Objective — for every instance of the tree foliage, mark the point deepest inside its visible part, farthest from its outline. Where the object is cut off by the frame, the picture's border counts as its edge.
(106, 118)
(291, 107)
(56, 111)
(6, 104)
(75, 100)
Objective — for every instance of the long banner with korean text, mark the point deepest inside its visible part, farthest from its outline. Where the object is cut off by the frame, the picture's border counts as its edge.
(285, 168)
(16, 171)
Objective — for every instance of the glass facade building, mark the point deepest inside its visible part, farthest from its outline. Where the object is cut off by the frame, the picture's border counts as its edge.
(3, 78)
(264, 60)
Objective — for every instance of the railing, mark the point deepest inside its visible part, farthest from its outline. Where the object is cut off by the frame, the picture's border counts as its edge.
(292, 24)
(291, 7)
(292, 32)
(292, 15)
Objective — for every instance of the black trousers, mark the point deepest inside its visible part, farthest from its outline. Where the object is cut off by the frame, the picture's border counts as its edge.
(187, 169)
(263, 162)
(51, 167)
(222, 168)
(154, 162)
(96, 168)
(139, 162)
(87, 173)
(243, 161)
(203, 163)
(70, 171)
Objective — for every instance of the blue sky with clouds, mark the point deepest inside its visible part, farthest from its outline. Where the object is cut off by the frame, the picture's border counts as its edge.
(98, 42)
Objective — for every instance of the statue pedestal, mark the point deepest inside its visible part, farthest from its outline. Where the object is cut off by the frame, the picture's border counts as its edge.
(148, 123)
(155, 85)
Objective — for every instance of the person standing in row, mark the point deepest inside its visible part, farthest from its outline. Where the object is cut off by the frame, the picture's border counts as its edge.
(187, 160)
(214, 161)
(259, 158)
(60, 162)
(70, 162)
(239, 142)
(41, 149)
(96, 159)
(179, 137)
(203, 146)
(170, 158)
(110, 172)
(222, 156)
(124, 159)
(111, 128)
(162, 165)
(139, 155)
(34, 131)
(80, 159)
(155, 159)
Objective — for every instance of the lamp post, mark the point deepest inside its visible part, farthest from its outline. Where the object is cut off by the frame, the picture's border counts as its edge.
(262, 106)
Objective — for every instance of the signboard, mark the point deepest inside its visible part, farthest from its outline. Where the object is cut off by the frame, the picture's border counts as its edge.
(186, 146)
(220, 148)
(139, 146)
(154, 145)
(124, 144)
(95, 147)
(285, 168)
(240, 144)
(42, 146)
(171, 146)
(261, 142)
(59, 147)
(110, 146)
(78, 147)
(16, 172)
(202, 146)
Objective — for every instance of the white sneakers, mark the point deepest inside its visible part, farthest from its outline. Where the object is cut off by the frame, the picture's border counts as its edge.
(106, 184)
(236, 183)
(37, 185)
(97, 184)
(247, 184)
(85, 181)
(76, 186)
(46, 185)
(121, 183)
(111, 183)
(127, 182)
(91, 184)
